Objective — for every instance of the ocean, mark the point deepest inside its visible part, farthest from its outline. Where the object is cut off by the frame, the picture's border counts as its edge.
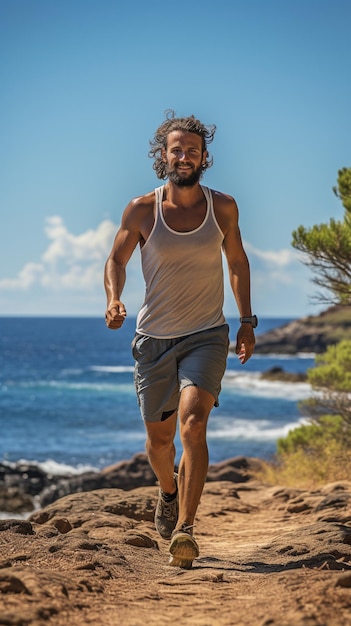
(67, 399)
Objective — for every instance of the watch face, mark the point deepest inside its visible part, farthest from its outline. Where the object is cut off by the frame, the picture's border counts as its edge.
(250, 320)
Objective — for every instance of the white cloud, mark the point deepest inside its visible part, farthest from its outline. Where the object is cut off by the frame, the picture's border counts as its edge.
(273, 258)
(274, 266)
(87, 247)
(72, 262)
(28, 275)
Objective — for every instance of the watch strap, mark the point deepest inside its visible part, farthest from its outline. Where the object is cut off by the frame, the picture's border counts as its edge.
(251, 319)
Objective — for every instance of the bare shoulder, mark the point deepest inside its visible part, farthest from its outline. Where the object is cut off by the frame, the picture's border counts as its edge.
(141, 204)
(225, 208)
(138, 217)
(139, 209)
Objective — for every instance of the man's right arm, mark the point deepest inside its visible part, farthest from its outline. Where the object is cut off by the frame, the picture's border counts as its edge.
(126, 240)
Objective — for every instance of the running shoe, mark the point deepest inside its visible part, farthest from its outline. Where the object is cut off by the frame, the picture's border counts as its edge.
(166, 514)
(183, 548)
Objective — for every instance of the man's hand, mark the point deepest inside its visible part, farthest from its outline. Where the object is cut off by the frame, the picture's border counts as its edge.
(245, 343)
(115, 315)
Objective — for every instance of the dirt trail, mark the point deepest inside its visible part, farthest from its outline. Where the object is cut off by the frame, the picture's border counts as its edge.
(268, 556)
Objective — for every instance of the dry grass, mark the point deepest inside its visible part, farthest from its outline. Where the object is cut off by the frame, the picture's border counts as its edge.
(308, 470)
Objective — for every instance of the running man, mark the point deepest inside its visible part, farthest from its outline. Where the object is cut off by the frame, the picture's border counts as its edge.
(181, 342)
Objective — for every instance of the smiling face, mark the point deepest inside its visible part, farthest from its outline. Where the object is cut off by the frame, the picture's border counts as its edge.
(184, 157)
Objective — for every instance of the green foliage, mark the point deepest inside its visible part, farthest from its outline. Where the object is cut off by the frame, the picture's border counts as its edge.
(312, 437)
(312, 454)
(327, 247)
(333, 369)
(321, 449)
(343, 189)
(331, 383)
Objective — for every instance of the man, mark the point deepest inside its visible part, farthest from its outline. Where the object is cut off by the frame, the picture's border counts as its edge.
(181, 340)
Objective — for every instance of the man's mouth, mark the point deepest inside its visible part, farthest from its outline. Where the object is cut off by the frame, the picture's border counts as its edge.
(182, 166)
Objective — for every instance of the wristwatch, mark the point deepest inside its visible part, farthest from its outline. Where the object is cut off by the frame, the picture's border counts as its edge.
(250, 320)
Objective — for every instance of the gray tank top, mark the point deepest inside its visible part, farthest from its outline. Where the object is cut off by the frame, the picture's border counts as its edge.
(183, 275)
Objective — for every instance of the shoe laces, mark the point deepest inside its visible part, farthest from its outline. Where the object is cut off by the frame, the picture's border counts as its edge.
(169, 509)
(186, 528)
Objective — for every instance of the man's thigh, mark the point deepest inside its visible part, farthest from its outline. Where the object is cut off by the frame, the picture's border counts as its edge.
(155, 378)
(203, 360)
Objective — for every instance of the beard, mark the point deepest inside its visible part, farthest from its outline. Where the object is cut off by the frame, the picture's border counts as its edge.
(188, 181)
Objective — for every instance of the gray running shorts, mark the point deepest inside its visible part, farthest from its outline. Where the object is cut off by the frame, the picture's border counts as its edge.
(163, 367)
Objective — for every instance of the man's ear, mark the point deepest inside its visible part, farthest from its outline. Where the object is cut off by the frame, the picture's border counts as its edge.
(164, 155)
(204, 157)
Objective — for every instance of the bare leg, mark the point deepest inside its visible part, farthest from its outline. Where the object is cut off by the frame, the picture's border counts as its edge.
(194, 409)
(161, 451)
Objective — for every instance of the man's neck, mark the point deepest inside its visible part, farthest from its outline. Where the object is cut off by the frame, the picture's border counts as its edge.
(183, 196)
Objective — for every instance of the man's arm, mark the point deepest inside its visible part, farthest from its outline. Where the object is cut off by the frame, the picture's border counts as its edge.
(239, 276)
(126, 240)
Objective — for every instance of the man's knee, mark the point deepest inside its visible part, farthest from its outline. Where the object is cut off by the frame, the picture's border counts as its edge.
(193, 426)
(160, 435)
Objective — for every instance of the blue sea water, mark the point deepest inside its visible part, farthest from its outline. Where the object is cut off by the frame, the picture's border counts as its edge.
(67, 399)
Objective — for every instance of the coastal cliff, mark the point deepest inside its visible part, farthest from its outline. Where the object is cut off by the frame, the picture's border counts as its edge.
(312, 334)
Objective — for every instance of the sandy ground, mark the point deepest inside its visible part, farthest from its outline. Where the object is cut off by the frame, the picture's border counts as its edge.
(268, 556)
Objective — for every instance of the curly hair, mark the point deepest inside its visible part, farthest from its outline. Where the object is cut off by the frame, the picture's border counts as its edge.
(189, 124)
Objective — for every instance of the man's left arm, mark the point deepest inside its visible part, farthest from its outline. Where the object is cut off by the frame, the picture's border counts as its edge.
(239, 276)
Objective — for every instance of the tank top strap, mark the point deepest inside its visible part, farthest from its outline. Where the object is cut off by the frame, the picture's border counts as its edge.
(159, 197)
(208, 195)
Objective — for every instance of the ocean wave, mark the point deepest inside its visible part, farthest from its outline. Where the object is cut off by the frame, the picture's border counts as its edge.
(72, 386)
(252, 383)
(285, 357)
(10, 515)
(253, 430)
(51, 467)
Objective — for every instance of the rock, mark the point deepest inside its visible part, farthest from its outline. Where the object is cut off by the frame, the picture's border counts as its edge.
(236, 470)
(20, 484)
(126, 475)
(312, 334)
(277, 373)
(22, 527)
(15, 500)
(26, 477)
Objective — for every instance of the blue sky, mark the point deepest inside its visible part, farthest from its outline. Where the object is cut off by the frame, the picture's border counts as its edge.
(84, 86)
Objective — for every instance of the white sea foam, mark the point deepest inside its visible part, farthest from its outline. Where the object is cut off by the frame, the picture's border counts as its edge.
(251, 383)
(72, 371)
(253, 430)
(11, 515)
(285, 357)
(79, 386)
(52, 467)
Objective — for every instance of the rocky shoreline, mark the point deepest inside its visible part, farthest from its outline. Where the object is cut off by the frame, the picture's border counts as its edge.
(25, 487)
(311, 334)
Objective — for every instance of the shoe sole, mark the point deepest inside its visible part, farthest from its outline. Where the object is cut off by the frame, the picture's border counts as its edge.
(184, 550)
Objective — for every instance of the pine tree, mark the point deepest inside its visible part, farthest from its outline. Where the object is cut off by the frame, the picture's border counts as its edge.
(327, 248)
